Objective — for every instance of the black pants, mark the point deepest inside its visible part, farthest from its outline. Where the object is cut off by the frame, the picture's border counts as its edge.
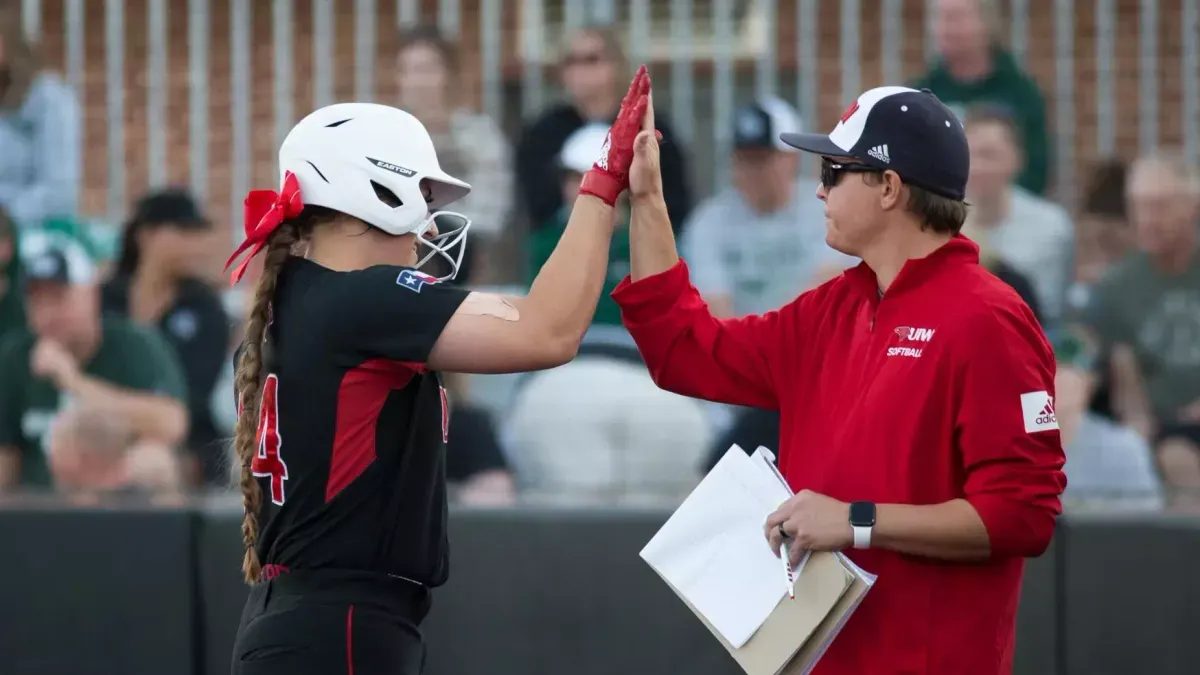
(332, 623)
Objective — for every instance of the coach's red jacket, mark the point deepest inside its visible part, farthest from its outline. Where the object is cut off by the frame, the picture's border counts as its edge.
(942, 389)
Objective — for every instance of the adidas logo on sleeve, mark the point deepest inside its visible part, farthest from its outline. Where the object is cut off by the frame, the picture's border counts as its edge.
(1037, 408)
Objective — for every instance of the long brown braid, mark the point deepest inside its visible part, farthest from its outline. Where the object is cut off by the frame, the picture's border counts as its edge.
(250, 376)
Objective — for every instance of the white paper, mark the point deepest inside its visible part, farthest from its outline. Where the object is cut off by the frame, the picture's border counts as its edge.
(765, 460)
(712, 549)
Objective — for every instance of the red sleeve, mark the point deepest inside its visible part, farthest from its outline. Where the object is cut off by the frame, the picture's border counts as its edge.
(1008, 433)
(690, 352)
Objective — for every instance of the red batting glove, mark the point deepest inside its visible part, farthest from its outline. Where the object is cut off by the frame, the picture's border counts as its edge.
(609, 176)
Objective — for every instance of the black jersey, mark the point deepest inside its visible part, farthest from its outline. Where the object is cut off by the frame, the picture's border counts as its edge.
(352, 425)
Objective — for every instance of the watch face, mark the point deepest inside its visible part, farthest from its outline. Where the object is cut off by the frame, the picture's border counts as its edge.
(862, 514)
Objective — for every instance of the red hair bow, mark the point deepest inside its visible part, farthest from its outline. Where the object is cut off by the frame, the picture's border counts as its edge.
(265, 212)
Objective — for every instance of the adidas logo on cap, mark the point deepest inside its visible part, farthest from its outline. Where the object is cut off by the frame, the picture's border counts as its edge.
(880, 152)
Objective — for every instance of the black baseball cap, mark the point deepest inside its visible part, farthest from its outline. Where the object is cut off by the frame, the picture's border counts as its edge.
(760, 125)
(908, 131)
(169, 205)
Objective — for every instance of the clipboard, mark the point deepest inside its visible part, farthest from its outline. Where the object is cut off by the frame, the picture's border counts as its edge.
(814, 647)
(828, 588)
(797, 633)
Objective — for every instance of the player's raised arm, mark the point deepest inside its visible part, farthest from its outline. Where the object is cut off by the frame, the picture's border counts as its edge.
(491, 333)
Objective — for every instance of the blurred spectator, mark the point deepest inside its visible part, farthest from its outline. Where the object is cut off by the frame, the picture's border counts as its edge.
(72, 356)
(578, 154)
(475, 466)
(1108, 464)
(1146, 315)
(598, 428)
(755, 246)
(1033, 236)
(1103, 236)
(156, 284)
(1102, 232)
(593, 72)
(92, 454)
(469, 145)
(12, 309)
(974, 68)
(1019, 282)
(751, 427)
(40, 131)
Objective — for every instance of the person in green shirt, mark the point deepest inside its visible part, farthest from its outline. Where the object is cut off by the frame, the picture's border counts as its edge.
(72, 357)
(972, 69)
(578, 153)
(12, 309)
(1145, 314)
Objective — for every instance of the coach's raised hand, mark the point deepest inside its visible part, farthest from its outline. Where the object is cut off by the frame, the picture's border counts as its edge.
(609, 176)
(645, 174)
(651, 242)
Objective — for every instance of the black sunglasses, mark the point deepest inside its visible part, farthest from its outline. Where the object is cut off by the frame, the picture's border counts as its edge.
(583, 59)
(832, 172)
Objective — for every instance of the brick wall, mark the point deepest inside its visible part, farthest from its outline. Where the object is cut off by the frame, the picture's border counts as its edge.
(1041, 63)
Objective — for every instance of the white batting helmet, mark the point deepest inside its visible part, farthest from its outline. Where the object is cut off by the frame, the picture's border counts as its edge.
(362, 158)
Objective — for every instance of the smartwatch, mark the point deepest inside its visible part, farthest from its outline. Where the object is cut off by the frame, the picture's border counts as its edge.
(862, 522)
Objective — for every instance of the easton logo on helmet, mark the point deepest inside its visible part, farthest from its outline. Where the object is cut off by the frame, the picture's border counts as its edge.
(387, 166)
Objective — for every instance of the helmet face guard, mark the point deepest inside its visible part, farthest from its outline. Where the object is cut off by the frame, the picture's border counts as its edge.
(452, 231)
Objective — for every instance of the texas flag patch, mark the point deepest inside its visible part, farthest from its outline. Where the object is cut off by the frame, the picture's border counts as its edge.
(414, 280)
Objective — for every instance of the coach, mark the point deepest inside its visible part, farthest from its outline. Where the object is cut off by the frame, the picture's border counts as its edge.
(915, 391)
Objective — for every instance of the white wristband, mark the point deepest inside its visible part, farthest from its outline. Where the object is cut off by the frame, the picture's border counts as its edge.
(862, 536)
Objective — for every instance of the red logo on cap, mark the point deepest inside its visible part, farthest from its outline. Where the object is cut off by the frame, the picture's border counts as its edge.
(850, 112)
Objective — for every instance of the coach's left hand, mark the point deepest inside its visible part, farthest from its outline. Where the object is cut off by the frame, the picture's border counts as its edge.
(813, 522)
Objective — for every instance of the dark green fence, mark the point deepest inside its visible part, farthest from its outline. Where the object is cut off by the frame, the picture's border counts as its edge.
(144, 591)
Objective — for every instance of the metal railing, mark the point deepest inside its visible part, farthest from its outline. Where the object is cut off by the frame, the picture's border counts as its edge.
(812, 52)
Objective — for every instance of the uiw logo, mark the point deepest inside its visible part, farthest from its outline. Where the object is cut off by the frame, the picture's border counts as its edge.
(913, 334)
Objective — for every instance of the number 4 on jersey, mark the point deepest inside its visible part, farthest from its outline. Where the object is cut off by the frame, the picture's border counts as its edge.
(267, 463)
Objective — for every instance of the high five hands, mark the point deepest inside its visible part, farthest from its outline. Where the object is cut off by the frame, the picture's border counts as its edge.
(645, 175)
(629, 157)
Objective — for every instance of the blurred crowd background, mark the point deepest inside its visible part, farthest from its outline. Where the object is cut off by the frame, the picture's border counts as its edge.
(130, 131)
